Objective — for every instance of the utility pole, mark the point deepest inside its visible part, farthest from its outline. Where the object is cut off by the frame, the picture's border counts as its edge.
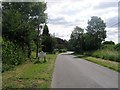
(37, 51)
(37, 42)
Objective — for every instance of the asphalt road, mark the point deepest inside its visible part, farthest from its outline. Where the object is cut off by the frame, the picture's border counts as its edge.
(71, 72)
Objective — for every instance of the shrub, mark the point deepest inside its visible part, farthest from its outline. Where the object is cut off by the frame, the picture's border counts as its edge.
(11, 54)
(62, 50)
(6, 67)
(109, 42)
(117, 47)
(108, 47)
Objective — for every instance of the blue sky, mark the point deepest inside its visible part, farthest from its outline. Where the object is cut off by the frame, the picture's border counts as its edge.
(64, 15)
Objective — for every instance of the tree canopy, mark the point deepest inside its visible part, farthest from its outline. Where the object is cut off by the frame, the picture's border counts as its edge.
(19, 23)
(92, 39)
(76, 39)
(96, 27)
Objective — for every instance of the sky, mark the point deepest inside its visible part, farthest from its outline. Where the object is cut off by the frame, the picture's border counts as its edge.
(65, 15)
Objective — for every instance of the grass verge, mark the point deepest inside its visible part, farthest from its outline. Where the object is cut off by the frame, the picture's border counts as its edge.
(30, 75)
(106, 63)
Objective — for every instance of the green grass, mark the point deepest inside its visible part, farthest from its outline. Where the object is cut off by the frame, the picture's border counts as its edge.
(106, 63)
(30, 75)
(107, 54)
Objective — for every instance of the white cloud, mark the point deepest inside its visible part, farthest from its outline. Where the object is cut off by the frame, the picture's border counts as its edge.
(64, 15)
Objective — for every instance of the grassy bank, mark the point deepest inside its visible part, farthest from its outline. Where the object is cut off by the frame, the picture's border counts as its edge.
(112, 55)
(30, 75)
(106, 63)
(108, 52)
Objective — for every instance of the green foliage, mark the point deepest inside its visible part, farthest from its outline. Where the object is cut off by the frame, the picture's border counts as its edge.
(62, 50)
(76, 39)
(108, 42)
(19, 21)
(48, 44)
(96, 33)
(108, 47)
(108, 54)
(110, 64)
(11, 54)
(6, 67)
(96, 27)
(60, 43)
(29, 75)
(91, 40)
(46, 30)
(117, 47)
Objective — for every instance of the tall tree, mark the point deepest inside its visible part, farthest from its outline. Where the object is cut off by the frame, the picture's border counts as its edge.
(48, 42)
(96, 30)
(96, 27)
(20, 20)
(76, 39)
(46, 30)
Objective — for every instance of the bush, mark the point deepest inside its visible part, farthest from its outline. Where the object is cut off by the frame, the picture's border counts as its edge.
(108, 47)
(109, 42)
(11, 54)
(6, 67)
(62, 50)
(117, 47)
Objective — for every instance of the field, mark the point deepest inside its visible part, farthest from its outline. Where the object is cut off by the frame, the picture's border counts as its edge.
(30, 75)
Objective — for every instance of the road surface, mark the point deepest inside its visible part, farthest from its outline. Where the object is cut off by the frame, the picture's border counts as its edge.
(71, 72)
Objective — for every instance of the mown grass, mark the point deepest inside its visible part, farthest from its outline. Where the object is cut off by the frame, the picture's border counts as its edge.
(106, 63)
(30, 75)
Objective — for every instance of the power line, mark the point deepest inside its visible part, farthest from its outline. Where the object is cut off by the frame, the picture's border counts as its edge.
(114, 25)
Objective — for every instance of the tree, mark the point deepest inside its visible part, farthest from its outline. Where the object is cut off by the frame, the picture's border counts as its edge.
(20, 21)
(89, 42)
(76, 39)
(96, 30)
(48, 42)
(108, 42)
(60, 43)
(46, 30)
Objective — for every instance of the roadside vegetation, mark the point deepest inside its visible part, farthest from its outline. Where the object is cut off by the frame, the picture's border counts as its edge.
(22, 41)
(106, 63)
(91, 45)
(107, 52)
(30, 75)
(21, 35)
(103, 62)
(107, 56)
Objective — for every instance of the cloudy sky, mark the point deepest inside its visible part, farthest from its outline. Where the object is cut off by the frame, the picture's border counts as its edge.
(64, 15)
